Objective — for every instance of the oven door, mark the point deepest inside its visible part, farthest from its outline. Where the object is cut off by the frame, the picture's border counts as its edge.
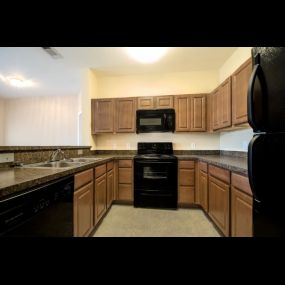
(155, 176)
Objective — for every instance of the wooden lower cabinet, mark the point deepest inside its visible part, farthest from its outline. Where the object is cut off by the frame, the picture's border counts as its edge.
(83, 203)
(241, 207)
(219, 203)
(110, 188)
(186, 181)
(100, 198)
(125, 180)
(203, 190)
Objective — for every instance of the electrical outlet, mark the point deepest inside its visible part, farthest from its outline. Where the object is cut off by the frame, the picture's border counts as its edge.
(6, 157)
(193, 145)
(128, 146)
(80, 151)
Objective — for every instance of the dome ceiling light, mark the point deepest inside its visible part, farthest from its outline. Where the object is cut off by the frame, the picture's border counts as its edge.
(146, 54)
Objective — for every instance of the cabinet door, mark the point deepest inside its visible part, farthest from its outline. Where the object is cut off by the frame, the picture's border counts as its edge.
(100, 197)
(240, 80)
(198, 113)
(102, 111)
(186, 180)
(145, 103)
(110, 187)
(182, 110)
(164, 102)
(209, 113)
(125, 115)
(225, 104)
(203, 189)
(219, 204)
(215, 112)
(83, 210)
(241, 213)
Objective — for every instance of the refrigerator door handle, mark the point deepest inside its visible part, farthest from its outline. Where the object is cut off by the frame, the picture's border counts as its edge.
(250, 97)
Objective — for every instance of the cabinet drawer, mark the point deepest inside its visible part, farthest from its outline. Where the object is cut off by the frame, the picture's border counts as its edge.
(110, 165)
(186, 164)
(125, 192)
(203, 166)
(83, 178)
(220, 173)
(241, 182)
(125, 175)
(125, 163)
(100, 170)
(186, 195)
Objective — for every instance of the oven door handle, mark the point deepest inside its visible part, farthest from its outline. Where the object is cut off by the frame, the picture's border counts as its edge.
(155, 177)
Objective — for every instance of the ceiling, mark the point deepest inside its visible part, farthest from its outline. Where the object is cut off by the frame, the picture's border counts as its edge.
(62, 76)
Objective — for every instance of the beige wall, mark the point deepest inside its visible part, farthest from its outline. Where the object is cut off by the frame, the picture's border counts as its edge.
(157, 84)
(233, 62)
(41, 121)
(180, 141)
(2, 116)
(89, 89)
(237, 140)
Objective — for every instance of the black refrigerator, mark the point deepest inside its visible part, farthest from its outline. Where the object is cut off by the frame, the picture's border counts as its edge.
(266, 150)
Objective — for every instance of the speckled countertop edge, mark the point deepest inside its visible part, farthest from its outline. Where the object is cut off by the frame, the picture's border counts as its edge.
(45, 175)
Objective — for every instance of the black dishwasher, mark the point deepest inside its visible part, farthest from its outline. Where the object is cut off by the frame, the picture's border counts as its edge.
(44, 211)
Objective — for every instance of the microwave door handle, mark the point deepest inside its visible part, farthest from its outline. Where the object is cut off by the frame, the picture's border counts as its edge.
(165, 122)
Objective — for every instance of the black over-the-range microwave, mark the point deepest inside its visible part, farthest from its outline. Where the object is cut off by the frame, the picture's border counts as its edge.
(159, 120)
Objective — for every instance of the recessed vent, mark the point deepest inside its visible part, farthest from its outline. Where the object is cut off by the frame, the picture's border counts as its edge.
(52, 52)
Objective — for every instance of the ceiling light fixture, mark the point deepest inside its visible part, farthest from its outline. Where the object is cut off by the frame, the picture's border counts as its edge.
(146, 54)
(16, 81)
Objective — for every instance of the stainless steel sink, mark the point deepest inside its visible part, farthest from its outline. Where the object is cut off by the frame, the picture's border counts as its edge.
(84, 159)
(53, 164)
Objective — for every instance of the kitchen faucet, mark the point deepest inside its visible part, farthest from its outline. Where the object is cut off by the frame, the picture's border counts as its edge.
(56, 153)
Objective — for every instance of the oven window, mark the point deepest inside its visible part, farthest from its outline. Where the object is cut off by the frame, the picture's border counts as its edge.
(150, 122)
(152, 173)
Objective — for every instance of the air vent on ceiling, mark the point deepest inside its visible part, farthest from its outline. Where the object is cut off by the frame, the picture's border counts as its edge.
(52, 52)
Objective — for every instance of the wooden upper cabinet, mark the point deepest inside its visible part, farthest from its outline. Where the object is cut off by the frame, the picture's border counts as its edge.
(155, 102)
(102, 111)
(209, 113)
(215, 112)
(225, 104)
(182, 110)
(146, 102)
(125, 115)
(164, 102)
(198, 113)
(240, 79)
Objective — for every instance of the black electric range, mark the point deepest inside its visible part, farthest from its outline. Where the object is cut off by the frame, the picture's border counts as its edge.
(155, 176)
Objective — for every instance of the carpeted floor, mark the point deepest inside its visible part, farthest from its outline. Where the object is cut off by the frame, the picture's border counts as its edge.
(127, 221)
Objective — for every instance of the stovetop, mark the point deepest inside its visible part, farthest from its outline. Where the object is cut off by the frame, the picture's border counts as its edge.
(155, 156)
(156, 150)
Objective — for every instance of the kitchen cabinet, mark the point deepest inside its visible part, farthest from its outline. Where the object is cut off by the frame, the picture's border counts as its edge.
(110, 184)
(186, 182)
(102, 114)
(219, 197)
(155, 102)
(83, 203)
(198, 113)
(240, 79)
(215, 112)
(100, 192)
(209, 113)
(241, 206)
(203, 185)
(190, 113)
(125, 115)
(125, 180)
(225, 104)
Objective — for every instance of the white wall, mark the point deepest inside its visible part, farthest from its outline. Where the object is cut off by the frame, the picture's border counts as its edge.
(180, 141)
(2, 116)
(41, 121)
(237, 140)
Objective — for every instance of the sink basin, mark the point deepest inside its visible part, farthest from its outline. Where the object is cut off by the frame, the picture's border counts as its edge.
(84, 159)
(53, 164)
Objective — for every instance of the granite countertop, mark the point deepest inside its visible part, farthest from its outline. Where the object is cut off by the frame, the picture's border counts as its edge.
(232, 163)
(20, 178)
(17, 179)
